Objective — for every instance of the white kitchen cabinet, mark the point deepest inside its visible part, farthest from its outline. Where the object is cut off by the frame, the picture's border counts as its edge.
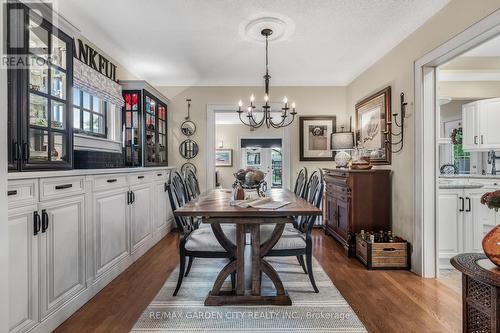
(23, 269)
(489, 120)
(462, 222)
(62, 251)
(140, 215)
(450, 225)
(470, 126)
(111, 221)
(479, 220)
(480, 125)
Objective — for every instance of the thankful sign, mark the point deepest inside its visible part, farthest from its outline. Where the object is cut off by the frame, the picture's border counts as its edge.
(94, 59)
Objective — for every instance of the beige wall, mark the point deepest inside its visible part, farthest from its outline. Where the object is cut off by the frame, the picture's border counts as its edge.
(309, 100)
(396, 68)
(470, 89)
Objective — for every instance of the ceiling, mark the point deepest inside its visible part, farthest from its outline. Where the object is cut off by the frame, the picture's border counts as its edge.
(201, 42)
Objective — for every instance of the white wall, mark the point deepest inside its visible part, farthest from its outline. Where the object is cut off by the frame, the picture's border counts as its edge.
(4, 240)
(310, 101)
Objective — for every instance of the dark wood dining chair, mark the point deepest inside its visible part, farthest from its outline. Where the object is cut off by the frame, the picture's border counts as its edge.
(299, 189)
(297, 241)
(192, 184)
(300, 182)
(195, 242)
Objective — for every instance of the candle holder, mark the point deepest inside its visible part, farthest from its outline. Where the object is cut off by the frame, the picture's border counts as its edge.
(395, 141)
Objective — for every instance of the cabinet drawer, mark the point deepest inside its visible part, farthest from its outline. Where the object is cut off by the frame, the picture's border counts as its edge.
(139, 178)
(160, 175)
(22, 192)
(108, 182)
(337, 180)
(52, 188)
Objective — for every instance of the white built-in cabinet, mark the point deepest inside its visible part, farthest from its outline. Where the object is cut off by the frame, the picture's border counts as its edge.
(140, 214)
(480, 121)
(23, 269)
(70, 236)
(462, 222)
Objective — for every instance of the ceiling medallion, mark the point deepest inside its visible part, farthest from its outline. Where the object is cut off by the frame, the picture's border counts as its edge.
(253, 121)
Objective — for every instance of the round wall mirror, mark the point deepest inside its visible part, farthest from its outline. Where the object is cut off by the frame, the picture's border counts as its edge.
(188, 128)
(188, 149)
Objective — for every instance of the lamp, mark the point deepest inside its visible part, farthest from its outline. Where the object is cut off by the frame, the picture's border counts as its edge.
(340, 142)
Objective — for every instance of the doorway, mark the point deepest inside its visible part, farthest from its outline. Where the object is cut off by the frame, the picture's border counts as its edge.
(265, 155)
(225, 132)
(425, 259)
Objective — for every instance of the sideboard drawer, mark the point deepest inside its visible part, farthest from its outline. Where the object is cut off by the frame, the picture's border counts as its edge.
(139, 178)
(108, 182)
(52, 188)
(22, 192)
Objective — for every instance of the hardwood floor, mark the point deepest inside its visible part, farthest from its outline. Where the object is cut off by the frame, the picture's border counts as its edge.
(385, 301)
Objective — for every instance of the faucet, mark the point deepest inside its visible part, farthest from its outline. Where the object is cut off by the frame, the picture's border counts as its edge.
(491, 160)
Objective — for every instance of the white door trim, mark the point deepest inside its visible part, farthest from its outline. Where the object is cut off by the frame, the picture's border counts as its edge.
(424, 258)
(211, 110)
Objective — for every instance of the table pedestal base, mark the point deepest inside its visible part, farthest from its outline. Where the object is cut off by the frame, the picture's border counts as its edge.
(248, 291)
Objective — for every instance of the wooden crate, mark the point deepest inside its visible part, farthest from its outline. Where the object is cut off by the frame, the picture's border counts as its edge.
(383, 255)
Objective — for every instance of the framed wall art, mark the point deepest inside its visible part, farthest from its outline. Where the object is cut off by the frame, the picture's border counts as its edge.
(314, 136)
(223, 157)
(373, 116)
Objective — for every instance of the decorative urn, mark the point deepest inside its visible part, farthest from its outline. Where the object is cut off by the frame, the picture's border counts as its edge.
(491, 242)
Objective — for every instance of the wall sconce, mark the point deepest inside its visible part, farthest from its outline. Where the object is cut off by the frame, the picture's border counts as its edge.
(395, 141)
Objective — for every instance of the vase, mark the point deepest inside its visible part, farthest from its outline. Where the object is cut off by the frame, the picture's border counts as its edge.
(491, 245)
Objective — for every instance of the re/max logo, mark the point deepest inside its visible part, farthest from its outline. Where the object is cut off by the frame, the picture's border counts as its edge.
(94, 59)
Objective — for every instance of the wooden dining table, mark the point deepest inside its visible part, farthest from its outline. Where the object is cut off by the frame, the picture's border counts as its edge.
(214, 207)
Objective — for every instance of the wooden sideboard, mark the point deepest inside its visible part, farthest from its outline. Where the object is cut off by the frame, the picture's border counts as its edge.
(356, 200)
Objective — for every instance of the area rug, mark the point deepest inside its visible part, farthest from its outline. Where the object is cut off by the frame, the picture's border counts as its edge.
(326, 311)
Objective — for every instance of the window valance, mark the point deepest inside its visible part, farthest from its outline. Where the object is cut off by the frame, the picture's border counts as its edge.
(89, 80)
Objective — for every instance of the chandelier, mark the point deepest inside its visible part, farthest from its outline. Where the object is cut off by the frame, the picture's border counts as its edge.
(286, 116)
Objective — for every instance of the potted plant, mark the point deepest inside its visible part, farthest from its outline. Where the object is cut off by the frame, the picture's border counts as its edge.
(491, 242)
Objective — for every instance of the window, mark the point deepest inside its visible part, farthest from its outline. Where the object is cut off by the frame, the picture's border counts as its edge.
(89, 113)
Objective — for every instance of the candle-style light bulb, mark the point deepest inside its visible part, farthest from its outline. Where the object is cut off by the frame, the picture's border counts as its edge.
(252, 98)
(285, 100)
(266, 98)
(293, 105)
(240, 103)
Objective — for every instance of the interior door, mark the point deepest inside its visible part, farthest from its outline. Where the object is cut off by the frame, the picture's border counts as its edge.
(140, 215)
(111, 225)
(62, 252)
(23, 269)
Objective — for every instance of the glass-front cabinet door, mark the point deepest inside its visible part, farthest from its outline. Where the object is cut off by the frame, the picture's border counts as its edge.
(131, 127)
(40, 90)
(144, 128)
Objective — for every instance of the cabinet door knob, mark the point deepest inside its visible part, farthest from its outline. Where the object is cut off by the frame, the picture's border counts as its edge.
(462, 204)
(475, 139)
